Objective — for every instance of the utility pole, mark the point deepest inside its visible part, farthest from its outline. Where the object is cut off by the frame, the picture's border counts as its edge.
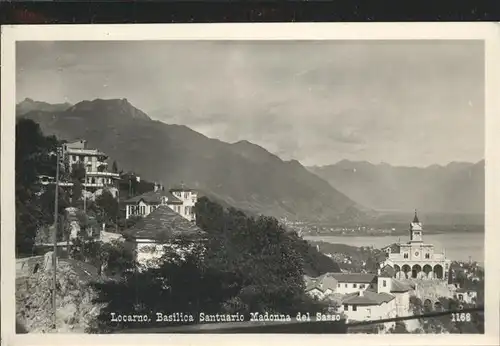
(54, 255)
(83, 189)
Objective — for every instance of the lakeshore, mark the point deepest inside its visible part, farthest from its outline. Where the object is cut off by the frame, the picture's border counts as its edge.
(458, 246)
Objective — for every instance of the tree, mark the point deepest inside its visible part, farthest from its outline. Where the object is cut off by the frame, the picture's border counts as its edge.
(243, 265)
(77, 176)
(109, 205)
(35, 156)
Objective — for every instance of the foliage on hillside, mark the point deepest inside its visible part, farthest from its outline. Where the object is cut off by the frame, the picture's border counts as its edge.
(34, 204)
(244, 265)
(355, 256)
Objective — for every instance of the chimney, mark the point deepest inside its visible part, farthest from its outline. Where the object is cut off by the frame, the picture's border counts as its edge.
(156, 187)
(361, 293)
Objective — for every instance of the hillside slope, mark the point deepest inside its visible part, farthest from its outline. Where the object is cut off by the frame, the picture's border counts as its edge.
(242, 174)
(455, 188)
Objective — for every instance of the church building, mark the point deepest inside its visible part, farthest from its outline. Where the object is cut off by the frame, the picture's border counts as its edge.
(416, 259)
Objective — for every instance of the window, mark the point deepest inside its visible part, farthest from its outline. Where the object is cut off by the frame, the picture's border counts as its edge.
(346, 307)
(405, 255)
(338, 285)
(362, 286)
(461, 296)
(354, 308)
(345, 285)
(354, 285)
(384, 283)
(427, 255)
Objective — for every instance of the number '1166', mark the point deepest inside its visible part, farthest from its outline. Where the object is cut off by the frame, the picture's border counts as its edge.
(460, 317)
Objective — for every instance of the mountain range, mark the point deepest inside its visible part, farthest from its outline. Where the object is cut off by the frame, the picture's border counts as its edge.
(458, 187)
(242, 174)
(28, 105)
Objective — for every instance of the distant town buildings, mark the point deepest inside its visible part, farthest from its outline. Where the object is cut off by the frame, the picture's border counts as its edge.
(181, 200)
(416, 259)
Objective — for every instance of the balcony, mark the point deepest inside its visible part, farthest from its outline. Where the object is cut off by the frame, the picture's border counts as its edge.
(103, 174)
(88, 152)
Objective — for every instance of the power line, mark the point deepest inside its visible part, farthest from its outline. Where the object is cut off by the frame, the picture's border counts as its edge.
(54, 256)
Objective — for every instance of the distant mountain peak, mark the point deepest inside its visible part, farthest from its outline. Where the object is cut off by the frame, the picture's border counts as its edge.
(28, 105)
(110, 107)
(253, 151)
(244, 142)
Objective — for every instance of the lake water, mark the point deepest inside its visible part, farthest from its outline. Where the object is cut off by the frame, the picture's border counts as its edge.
(458, 246)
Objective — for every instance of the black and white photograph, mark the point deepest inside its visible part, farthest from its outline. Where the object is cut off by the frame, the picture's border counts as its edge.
(211, 185)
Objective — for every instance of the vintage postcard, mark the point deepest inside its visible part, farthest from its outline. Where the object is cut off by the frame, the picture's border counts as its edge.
(330, 181)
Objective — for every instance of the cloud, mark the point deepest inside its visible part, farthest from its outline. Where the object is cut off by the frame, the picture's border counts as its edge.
(318, 102)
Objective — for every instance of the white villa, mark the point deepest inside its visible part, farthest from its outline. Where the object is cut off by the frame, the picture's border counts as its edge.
(158, 229)
(416, 259)
(363, 296)
(94, 162)
(181, 200)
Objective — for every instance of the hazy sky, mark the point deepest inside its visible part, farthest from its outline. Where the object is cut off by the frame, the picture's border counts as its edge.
(405, 103)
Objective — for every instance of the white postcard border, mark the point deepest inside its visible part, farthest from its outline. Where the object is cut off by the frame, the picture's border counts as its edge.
(489, 32)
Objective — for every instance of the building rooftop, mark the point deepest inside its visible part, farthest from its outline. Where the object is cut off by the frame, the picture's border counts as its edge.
(154, 197)
(387, 271)
(320, 283)
(354, 277)
(395, 248)
(367, 298)
(163, 224)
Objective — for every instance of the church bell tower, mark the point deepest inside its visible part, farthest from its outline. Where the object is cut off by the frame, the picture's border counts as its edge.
(416, 230)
